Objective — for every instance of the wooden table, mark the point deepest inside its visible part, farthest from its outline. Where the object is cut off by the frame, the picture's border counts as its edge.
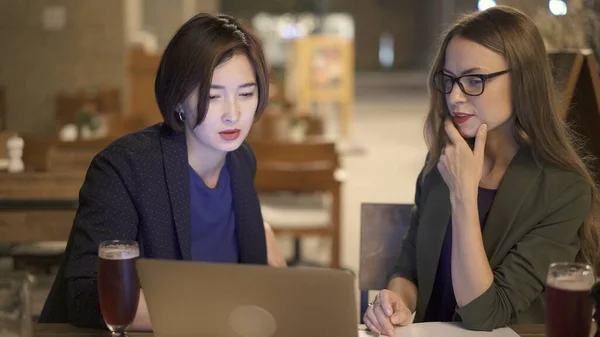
(53, 330)
(38, 206)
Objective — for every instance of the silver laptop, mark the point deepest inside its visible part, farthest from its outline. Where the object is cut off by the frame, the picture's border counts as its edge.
(188, 298)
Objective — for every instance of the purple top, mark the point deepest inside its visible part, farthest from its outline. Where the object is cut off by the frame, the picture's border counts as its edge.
(442, 304)
(214, 236)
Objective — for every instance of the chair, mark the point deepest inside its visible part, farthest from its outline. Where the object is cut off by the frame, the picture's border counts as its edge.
(382, 230)
(68, 106)
(299, 189)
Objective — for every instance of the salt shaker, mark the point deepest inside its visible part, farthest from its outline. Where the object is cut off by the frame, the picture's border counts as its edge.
(15, 146)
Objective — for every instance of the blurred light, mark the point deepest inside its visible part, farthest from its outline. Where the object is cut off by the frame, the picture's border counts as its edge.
(485, 4)
(288, 31)
(557, 7)
(290, 27)
(386, 50)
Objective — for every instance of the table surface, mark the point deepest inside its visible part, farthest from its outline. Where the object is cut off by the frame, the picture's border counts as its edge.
(49, 330)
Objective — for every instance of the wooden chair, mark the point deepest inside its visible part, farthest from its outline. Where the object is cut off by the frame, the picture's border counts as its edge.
(382, 230)
(299, 188)
(68, 106)
(276, 125)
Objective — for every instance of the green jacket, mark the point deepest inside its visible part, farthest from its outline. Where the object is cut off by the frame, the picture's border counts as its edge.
(534, 220)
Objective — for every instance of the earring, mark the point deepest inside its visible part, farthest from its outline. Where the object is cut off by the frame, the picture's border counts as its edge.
(179, 113)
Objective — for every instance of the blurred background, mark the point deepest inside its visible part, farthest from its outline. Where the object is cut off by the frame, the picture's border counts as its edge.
(349, 86)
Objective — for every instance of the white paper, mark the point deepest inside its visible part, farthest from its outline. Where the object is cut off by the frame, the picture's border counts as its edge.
(437, 329)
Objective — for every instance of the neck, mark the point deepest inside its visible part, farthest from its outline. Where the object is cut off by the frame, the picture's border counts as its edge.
(500, 148)
(205, 161)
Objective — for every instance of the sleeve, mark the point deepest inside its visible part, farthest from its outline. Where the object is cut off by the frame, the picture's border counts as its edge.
(520, 278)
(406, 267)
(106, 212)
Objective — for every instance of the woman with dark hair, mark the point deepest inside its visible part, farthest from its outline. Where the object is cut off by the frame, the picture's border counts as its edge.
(503, 193)
(184, 188)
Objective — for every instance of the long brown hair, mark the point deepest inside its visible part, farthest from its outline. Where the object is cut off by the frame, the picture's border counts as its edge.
(537, 123)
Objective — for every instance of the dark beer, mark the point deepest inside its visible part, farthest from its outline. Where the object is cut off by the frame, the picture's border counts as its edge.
(118, 286)
(568, 310)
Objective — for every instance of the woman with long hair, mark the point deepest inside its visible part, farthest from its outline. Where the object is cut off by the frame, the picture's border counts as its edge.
(504, 191)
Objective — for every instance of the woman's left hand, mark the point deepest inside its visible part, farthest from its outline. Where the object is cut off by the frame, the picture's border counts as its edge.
(460, 166)
(274, 256)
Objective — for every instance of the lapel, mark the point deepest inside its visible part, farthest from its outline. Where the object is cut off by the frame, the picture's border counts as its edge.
(433, 222)
(248, 217)
(520, 177)
(177, 175)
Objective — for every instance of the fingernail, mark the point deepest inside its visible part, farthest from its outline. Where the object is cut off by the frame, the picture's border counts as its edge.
(388, 311)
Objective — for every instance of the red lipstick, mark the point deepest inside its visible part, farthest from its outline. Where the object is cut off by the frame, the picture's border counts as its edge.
(230, 134)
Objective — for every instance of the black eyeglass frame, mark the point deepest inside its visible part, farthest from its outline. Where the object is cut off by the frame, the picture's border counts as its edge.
(456, 80)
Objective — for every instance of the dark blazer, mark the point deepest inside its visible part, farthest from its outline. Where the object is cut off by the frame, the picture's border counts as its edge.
(138, 189)
(534, 220)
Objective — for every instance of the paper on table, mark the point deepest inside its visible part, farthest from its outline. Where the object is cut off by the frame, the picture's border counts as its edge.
(436, 329)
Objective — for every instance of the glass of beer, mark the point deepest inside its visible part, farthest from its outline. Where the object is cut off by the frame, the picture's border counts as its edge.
(568, 299)
(118, 283)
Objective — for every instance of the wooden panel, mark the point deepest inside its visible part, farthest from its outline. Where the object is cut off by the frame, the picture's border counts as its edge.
(60, 160)
(40, 186)
(4, 136)
(44, 154)
(3, 113)
(141, 74)
(35, 152)
(297, 180)
(305, 152)
(29, 226)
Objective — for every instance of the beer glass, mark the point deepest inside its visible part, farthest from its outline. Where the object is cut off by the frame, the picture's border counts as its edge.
(568, 299)
(118, 283)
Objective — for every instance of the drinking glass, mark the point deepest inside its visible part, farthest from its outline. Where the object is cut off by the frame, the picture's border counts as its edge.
(15, 305)
(568, 299)
(118, 283)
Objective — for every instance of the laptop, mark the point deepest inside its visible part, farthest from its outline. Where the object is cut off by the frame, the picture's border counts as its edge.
(187, 298)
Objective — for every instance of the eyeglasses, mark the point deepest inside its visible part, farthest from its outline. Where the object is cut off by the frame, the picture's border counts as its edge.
(471, 84)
